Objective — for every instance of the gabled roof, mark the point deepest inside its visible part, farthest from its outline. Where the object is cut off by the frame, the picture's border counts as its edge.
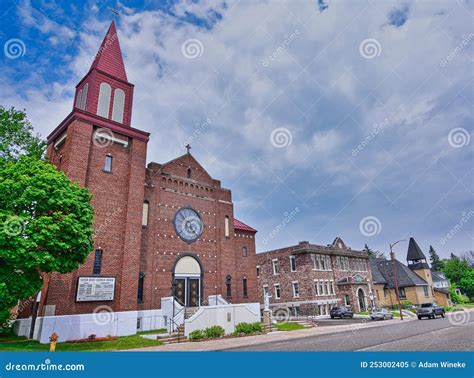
(238, 225)
(109, 57)
(438, 276)
(338, 241)
(405, 276)
(188, 160)
(414, 251)
(377, 276)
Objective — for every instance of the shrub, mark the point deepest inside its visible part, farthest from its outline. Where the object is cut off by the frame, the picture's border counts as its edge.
(196, 335)
(214, 332)
(248, 328)
(406, 305)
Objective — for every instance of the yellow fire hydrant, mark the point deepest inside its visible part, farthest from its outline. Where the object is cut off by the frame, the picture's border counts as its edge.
(52, 345)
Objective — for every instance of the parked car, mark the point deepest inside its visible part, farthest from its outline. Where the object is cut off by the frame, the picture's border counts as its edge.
(380, 314)
(429, 310)
(341, 312)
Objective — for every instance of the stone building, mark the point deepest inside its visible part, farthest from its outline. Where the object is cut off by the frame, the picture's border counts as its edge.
(160, 229)
(310, 279)
(416, 282)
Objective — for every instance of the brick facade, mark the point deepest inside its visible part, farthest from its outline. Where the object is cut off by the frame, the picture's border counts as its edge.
(336, 286)
(130, 248)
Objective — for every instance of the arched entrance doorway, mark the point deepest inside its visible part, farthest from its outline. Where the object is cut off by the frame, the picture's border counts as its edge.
(361, 298)
(187, 281)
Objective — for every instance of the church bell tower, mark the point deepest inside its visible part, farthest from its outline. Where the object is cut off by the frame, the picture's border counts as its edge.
(96, 147)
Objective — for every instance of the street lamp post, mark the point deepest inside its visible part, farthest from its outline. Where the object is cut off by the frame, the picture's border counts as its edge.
(394, 266)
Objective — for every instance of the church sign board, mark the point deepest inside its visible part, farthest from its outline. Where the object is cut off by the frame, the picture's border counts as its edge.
(95, 289)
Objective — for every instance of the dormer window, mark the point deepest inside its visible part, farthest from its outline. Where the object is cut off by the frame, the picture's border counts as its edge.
(104, 100)
(119, 102)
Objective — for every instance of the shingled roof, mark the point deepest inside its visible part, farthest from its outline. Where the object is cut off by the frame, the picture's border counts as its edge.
(414, 251)
(383, 270)
(238, 225)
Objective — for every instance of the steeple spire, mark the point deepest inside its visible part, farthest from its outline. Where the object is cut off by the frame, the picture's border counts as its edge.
(416, 259)
(109, 57)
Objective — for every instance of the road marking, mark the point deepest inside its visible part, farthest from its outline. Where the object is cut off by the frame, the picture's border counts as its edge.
(410, 337)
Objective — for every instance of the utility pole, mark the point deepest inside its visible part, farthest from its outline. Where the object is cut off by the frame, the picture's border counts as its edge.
(394, 267)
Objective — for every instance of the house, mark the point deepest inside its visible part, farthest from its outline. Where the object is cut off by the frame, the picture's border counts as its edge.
(310, 279)
(416, 282)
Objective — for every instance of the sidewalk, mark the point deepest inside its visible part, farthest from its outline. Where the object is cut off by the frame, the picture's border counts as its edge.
(229, 343)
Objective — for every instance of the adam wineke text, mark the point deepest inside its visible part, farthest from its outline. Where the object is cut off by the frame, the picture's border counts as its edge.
(444, 364)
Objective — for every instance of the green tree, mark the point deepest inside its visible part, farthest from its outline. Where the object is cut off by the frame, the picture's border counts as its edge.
(455, 268)
(374, 254)
(436, 262)
(45, 226)
(466, 283)
(16, 136)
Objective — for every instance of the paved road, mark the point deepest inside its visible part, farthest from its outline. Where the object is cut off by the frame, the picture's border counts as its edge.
(418, 335)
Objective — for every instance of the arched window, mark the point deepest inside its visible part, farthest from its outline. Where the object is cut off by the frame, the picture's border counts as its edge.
(119, 102)
(226, 226)
(189, 173)
(104, 100)
(84, 97)
(145, 214)
(79, 99)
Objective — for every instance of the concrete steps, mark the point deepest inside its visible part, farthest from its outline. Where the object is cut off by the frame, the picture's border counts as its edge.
(190, 311)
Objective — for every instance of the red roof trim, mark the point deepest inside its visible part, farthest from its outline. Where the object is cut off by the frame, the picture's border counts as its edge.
(98, 121)
(238, 225)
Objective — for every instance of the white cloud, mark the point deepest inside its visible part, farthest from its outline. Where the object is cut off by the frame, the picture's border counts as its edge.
(318, 86)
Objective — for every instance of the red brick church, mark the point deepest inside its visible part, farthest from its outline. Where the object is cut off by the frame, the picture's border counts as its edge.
(160, 229)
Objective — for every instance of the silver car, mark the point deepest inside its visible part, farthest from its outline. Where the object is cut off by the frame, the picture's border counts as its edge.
(380, 314)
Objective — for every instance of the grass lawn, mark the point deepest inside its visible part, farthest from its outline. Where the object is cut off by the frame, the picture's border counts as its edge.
(362, 313)
(289, 326)
(123, 342)
(467, 305)
(396, 314)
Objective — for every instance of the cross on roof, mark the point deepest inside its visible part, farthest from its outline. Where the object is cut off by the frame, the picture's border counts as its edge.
(114, 12)
(188, 147)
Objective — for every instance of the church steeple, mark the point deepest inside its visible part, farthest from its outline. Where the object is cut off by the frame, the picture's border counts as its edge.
(109, 57)
(416, 259)
(105, 90)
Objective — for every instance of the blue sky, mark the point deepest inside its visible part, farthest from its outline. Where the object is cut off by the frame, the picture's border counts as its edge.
(325, 118)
